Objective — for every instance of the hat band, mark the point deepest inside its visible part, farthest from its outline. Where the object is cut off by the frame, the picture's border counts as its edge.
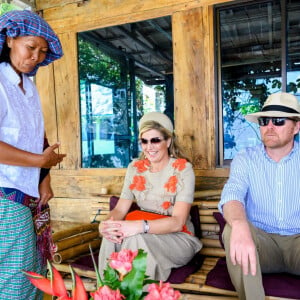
(280, 108)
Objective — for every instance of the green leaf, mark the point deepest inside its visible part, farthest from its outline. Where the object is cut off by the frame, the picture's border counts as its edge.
(111, 278)
(99, 280)
(132, 285)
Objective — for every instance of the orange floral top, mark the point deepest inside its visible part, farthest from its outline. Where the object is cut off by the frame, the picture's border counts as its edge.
(157, 192)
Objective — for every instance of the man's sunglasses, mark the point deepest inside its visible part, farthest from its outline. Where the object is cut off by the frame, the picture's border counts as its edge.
(277, 121)
(155, 140)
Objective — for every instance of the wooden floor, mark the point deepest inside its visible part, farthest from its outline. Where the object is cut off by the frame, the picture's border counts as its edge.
(199, 297)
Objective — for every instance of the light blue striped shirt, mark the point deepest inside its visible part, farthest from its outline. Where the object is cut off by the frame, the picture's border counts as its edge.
(269, 190)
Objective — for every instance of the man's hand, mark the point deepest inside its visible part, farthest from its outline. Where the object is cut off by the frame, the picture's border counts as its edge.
(242, 247)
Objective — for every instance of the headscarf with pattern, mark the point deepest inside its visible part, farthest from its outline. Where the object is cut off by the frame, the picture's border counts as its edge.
(25, 23)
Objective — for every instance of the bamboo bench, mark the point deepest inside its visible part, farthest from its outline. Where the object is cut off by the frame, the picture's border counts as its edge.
(194, 286)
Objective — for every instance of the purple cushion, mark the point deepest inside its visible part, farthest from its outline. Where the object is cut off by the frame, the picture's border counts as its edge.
(114, 200)
(178, 275)
(85, 262)
(277, 285)
(221, 221)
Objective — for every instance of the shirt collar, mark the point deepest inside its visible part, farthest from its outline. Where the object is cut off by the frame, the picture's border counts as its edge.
(294, 149)
(10, 73)
(14, 78)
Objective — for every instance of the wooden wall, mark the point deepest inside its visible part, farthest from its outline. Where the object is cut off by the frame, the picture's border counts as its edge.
(194, 90)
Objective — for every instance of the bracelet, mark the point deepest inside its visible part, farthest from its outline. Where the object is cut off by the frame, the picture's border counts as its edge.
(146, 226)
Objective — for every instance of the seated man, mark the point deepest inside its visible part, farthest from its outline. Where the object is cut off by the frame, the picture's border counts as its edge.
(261, 200)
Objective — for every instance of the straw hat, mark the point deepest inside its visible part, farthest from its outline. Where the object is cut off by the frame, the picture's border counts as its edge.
(159, 118)
(278, 105)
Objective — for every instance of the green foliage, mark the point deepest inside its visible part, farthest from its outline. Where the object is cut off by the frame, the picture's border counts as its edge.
(96, 66)
(293, 86)
(5, 7)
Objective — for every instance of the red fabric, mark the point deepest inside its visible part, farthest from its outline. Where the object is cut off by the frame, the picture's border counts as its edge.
(145, 215)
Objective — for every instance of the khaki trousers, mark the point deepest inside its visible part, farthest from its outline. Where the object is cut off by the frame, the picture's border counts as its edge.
(275, 253)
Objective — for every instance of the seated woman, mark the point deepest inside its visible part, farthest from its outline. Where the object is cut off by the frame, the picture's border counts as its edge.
(162, 182)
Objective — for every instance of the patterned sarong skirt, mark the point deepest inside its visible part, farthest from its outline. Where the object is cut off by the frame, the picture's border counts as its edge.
(18, 252)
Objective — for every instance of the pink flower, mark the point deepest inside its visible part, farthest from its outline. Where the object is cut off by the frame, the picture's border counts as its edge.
(105, 293)
(163, 291)
(122, 261)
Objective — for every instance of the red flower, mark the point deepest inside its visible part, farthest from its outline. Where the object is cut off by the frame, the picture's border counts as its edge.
(138, 183)
(105, 293)
(122, 261)
(78, 291)
(142, 165)
(163, 291)
(55, 286)
(166, 205)
(179, 164)
(170, 186)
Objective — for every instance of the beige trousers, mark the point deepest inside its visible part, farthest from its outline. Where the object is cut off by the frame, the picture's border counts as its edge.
(275, 253)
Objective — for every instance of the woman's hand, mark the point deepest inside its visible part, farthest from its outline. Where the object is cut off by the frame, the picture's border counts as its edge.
(45, 190)
(51, 158)
(116, 231)
(110, 230)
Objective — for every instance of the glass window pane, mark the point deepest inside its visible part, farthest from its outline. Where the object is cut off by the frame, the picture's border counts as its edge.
(250, 64)
(293, 46)
(124, 71)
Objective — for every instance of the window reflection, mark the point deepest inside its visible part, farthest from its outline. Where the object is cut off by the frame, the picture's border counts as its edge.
(125, 71)
(259, 54)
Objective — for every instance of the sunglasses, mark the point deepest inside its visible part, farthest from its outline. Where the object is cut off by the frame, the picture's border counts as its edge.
(277, 121)
(155, 140)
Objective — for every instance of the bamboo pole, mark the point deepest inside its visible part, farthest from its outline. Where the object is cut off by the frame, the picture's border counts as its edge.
(63, 255)
(207, 212)
(207, 193)
(207, 204)
(90, 285)
(218, 252)
(80, 272)
(75, 240)
(211, 243)
(73, 231)
(210, 227)
(208, 219)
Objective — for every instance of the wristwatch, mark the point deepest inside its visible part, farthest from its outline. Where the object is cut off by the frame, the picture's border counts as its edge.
(146, 226)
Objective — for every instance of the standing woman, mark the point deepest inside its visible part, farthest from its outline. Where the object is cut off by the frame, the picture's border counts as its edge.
(162, 182)
(26, 43)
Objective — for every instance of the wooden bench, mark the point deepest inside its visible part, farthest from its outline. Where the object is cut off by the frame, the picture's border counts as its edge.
(194, 286)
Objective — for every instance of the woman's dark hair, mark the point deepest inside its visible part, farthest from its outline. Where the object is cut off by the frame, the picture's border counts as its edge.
(4, 56)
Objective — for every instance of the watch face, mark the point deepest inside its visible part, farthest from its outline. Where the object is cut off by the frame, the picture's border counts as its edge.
(146, 226)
